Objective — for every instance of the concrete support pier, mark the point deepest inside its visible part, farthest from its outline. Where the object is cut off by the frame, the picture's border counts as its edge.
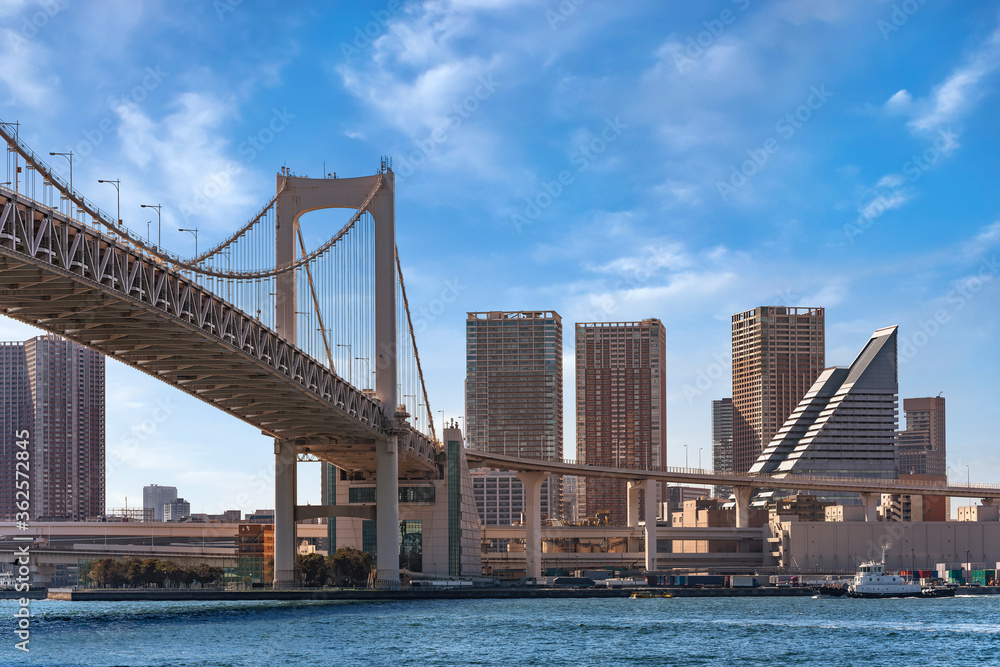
(284, 514)
(532, 521)
(649, 486)
(633, 503)
(387, 515)
(870, 501)
(743, 495)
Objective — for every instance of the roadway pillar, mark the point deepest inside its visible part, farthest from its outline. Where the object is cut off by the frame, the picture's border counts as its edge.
(284, 513)
(870, 501)
(532, 521)
(743, 495)
(633, 503)
(387, 514)
(650, 487)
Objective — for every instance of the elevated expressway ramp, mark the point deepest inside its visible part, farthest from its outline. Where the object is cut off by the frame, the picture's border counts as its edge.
(744, 485)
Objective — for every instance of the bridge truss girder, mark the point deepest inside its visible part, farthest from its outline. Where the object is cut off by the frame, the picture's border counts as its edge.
(67, 279)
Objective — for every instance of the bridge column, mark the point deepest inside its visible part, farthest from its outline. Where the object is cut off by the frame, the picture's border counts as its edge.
(532, 521)
(870, 501)
(284, 513)
(650, 487)
(633, 503)
(387, 514)
(743, 495)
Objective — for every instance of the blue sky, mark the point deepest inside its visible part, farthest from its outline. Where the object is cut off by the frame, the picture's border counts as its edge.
(610, 161)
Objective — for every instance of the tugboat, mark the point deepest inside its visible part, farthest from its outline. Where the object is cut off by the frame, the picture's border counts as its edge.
(871, 581)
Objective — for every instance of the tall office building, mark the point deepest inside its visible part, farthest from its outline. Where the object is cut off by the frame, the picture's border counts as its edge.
(845, 426)
(54, 390)
(154, 497)
(621, 407)
(922, 448)
(514, 399)
(722, 441)
(778, 352)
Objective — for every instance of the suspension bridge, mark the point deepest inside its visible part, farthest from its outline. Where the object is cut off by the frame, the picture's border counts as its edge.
(314, 347)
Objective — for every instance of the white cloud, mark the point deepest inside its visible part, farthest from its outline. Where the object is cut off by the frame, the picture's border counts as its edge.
(899, 103)
(955, 96)
(186, 149)
(22, 74)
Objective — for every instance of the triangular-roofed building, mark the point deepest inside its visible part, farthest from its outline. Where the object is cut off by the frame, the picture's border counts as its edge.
(845, 425)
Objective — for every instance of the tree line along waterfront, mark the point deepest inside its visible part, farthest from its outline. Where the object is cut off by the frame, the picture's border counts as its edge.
(346, 567)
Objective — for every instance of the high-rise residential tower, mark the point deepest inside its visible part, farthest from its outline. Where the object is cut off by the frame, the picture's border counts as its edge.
(54, 390)
(922, 448)
(778, 352)
(722, 441)
(514, 400)
(621, 407)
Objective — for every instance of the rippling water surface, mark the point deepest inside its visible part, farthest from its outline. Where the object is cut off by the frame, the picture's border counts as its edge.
(678, 631)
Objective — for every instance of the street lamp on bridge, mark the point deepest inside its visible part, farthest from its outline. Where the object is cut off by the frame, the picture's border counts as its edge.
(159, 221)
(69, 156)
(367, 365)
(195, 232)
(117, 183)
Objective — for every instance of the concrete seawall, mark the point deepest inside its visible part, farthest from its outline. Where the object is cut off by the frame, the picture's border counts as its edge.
(123, 595)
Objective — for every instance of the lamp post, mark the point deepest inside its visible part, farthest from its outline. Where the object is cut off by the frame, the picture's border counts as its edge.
(195, 232)
(159, 222)
(699, 457)
(350, 367)
(69, 156)
(367, 365)
(685, 456)
(117, 183)
(968, 480)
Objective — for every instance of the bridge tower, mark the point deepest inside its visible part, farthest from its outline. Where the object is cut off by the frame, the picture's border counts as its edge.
(297, 196)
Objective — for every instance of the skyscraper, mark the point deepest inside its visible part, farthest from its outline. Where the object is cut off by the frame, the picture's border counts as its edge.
(154, 497)
(845, 426)
(922, 448)
(722, 441)
(514, 394)
(54, 389)
(621, 408)
(778, 352)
